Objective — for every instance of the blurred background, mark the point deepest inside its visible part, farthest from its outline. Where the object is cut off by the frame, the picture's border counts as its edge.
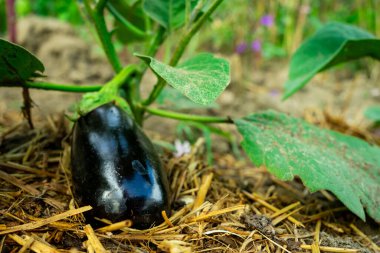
(270, 28)
(257, 37)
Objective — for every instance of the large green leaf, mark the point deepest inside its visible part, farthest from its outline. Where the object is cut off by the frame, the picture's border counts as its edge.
(168, 13)
(17, 65)
(347, 166)
(333, 44)
(373, 113)
(201, 78)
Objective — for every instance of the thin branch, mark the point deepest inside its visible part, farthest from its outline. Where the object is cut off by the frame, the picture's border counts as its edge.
(103, 34)
(132, 28)
(56, 87)
(188, 117)
(100, 6)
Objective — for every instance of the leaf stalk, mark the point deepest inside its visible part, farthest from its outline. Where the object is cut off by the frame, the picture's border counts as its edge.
(188, 117)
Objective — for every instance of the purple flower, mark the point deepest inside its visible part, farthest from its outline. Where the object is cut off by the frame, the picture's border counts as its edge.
(274, 93)
(241, 47)
(256, 46)
(267, 20)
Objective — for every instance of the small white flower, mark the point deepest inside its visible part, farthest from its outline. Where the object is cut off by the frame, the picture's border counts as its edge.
(181, 148)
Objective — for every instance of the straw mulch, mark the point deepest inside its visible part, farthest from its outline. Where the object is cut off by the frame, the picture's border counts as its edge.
(228, 207)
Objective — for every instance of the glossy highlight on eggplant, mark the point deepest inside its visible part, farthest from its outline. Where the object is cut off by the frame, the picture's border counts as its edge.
(116, 170)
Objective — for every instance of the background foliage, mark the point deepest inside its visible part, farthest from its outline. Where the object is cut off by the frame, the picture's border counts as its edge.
(271, 28)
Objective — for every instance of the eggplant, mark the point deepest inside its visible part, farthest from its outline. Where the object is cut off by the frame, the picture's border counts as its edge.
(116, 169)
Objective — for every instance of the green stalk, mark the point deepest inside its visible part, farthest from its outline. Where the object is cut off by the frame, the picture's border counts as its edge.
(187, 117)
(100, 6)
(180, 50)
(193, 30)
(153, 46)
(61, 87)
(114, 85)
(135, 30)
(156, 42)
(103, 34)
(121, 79)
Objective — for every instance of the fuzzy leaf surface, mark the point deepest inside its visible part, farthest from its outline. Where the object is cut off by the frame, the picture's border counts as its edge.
(201, 78)
(173, 99)
(347, 166)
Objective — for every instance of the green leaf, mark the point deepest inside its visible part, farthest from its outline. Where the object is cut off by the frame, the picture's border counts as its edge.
(347, 166)
(373, 113)
(132, 13)
(171, 98)
(17, 65)
(168, 13)
(202, 78)
(333, 44)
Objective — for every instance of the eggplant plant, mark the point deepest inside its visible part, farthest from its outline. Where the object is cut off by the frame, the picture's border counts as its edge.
(113, 114)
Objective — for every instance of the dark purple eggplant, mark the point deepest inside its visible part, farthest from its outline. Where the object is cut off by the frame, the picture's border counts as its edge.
(116, 169)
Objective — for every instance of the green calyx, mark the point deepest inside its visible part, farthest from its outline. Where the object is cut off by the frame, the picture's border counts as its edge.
(110, 92)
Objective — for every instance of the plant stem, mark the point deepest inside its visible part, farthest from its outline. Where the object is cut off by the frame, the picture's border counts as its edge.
(11, 20)
(156, 42)
(60, 87)
(100, 6)
(12, 33)
(135, 30)
(153, 46)
(104, 36)
(180, 50)
(113, 85)
(188, 117)
(120, 79)
(193, 30)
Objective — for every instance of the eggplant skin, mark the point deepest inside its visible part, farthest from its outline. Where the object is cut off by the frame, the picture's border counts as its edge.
(116, 169)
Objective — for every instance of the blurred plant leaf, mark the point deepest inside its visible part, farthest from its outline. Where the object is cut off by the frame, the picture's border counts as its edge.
(373, 113)
(347, 166)
(171, 14)
(171, 98)
(17, 65)
(333, 44)
(133, 13)
(184, 130)
(201, 78)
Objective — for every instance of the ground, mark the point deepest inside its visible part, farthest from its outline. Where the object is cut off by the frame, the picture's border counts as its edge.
(241, 208)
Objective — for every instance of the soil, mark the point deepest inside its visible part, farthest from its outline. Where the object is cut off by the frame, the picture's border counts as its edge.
(256, 85)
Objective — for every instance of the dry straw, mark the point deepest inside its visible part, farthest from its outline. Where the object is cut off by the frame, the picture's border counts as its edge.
(229, 207)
